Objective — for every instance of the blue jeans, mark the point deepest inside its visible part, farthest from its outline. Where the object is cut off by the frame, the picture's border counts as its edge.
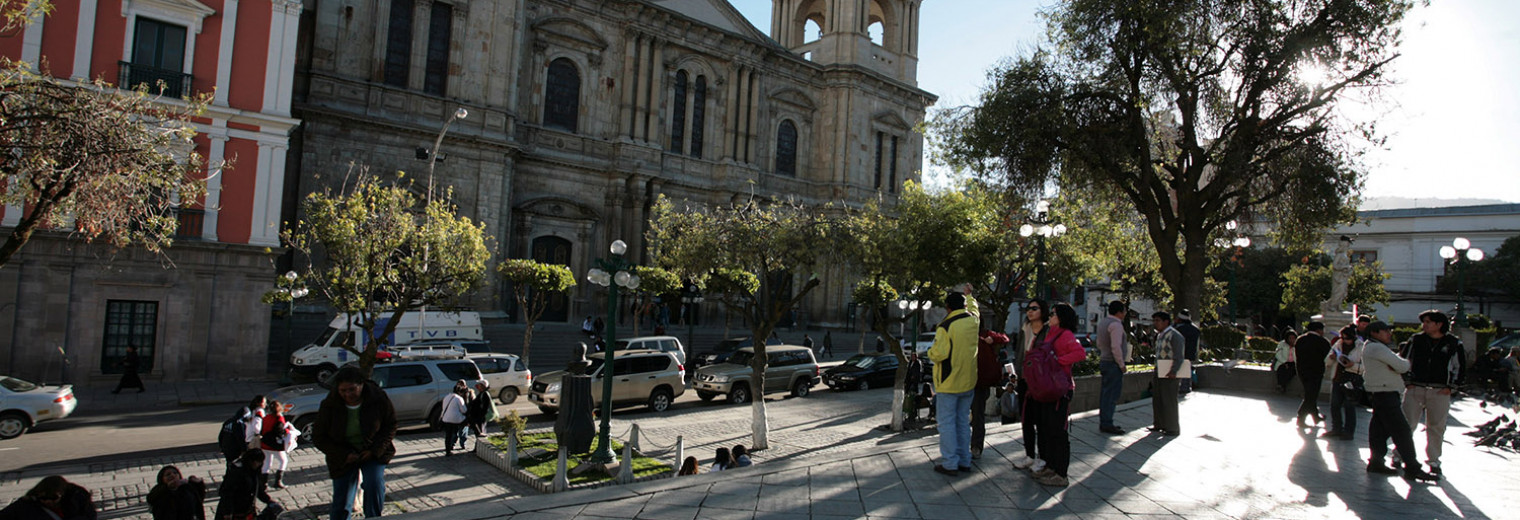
(1108, 395)
(374, 491)
(1343, 409)
(953, 412)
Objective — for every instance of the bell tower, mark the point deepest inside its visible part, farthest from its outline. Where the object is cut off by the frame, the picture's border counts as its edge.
(880, 35)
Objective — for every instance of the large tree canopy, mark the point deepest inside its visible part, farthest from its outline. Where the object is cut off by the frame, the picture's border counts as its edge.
(1198, 112)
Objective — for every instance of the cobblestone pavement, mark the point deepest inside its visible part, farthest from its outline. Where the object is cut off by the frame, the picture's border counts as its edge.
(1239, 457)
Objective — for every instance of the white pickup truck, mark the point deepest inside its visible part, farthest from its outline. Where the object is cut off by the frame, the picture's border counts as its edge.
(418, 333)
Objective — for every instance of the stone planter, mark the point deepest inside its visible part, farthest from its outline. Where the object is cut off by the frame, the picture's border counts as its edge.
(498, 459)
(1088, 387)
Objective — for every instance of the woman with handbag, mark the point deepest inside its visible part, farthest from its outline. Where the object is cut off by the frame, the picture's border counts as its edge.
(1047, 370)
(1036, 313)
(1345, 366)
(454, 416)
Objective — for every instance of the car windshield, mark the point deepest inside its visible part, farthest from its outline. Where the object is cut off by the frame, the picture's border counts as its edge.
(741, 357)
(17, 385)
(861, 361)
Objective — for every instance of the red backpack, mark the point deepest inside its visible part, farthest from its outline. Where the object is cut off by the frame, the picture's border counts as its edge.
(1048, 381)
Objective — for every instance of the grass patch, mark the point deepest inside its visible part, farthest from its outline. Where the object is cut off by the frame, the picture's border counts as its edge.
(543, 465)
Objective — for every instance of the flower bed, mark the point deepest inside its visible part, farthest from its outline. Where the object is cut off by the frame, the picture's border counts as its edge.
(537, 461)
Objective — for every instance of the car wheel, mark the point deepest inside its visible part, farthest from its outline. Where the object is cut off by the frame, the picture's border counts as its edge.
(508, 395)
(12, 425)
(435, 418)
(659, 400)
(325, 372)
(306, 426)
(863, 385)
(739, 395)
(706, 396)
(801, 388)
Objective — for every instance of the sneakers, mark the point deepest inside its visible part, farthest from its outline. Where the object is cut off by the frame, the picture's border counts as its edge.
(1038, 466)
(1042, 473)
(1435, 469)
(1052, 480)
(1024, 462)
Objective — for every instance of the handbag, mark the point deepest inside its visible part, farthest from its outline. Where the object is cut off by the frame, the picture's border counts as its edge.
(1184, 368)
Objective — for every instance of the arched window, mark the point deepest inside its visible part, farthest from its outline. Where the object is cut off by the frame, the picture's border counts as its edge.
(562, 96)
(877, 32)
(678, 114)
(786, 149)
(699, 101)
(812, 30)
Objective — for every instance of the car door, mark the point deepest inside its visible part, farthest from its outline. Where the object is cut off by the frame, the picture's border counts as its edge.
(410, 388)
(623, 386)
(778, 372)
(885, 374)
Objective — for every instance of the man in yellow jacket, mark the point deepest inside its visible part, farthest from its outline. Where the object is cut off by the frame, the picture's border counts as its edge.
(954, 356)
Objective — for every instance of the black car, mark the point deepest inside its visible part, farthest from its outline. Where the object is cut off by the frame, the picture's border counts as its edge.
(862, 371)
(725, 348)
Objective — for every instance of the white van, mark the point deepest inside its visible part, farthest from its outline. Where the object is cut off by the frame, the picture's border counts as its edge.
(323, 356)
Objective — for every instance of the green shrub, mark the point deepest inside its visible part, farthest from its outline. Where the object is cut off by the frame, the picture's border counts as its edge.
(1261, 343)
(1479, 322)
(513, 423)
(1223, 337)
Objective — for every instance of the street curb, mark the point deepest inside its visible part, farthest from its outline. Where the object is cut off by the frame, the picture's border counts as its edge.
(495, 509)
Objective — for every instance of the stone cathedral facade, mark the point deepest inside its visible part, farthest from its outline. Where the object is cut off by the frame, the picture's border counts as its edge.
(582, 112)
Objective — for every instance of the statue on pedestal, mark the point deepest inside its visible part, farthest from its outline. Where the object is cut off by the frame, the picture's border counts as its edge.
(1340, 280)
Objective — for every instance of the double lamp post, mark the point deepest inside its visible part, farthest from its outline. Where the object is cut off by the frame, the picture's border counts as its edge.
(612, 273)
(1461, 249)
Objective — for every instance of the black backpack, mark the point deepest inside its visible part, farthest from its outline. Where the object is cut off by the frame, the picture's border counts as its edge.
(275, 437)
(231, 439)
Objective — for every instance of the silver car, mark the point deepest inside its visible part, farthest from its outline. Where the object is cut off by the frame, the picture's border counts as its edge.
(508, 375)
(638, 376)
(416, 389)
(24, 404)
(788, 368)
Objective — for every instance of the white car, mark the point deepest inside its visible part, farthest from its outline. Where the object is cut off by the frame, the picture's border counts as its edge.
(508, 375)
(24, 404)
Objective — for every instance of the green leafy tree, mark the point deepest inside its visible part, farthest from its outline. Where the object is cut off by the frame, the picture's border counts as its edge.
(99, 162)
(779, 243)
(656, 282)
(1307, 284)
(532, 284)
(920, 247)
(1257, 273)
(1198, 112)
(373, 251)
(730, 287)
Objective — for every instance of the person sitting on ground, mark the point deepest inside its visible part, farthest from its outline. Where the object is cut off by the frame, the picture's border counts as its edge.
(240, 486)
(175, 497)
(53, 498)
(1512, 368)
(688, 467)
(721, 460)
(1490, 371)
(740, 456)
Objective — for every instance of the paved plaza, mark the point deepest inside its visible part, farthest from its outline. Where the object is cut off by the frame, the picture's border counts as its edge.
(1238, 457)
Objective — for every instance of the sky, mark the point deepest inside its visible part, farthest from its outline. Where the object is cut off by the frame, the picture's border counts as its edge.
(1451, 122)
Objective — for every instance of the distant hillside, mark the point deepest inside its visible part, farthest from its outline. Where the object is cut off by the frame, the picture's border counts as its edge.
(1376, 203)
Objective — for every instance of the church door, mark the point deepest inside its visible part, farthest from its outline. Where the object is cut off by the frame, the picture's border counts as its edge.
(554, 250)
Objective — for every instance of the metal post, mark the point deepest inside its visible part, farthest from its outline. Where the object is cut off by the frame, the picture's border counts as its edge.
(1039, 269)
(1461, 281)
(1232, 292)
(603, 453)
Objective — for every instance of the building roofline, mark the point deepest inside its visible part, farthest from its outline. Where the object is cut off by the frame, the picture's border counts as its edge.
(1449, 211)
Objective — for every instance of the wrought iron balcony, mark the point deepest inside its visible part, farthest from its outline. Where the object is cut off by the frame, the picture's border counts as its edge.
(175, 83)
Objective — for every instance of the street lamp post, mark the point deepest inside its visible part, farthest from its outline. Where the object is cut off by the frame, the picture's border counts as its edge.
(291, 292)
(1459, 250)
(604, 276)
(914, 306)
(1045, 227)
(1240, 242)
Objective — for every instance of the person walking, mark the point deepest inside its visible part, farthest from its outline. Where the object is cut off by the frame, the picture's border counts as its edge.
(989, 375)
(455, 416)
(482, 409)
(1382, 372)
(175, 497)
(1113, 352)
(274, 443)
(52, 498)
(356, 430)
(1049, 363)
(1345, 366)
(954, 357)
(1171, 347)
(828, 344)
(1036, 314)
(129, 366)
(1283, 365)
(1438, 365)
(807, 343)
(1191, 335)
(1310, 349)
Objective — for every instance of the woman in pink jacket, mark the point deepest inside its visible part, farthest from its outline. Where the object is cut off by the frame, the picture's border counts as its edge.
(1054, 416)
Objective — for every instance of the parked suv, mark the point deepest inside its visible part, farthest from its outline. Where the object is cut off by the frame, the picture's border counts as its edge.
(789, 367)
(726, 348)
(508, 375)
(661, 343)
(416, 389)
(651, 377)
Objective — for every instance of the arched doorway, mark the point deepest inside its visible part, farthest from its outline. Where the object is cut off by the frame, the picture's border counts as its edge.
(553, 250)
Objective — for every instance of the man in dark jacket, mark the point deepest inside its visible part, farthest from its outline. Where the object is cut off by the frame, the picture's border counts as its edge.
(1190, 336)
(1437, 364)
(355, 428)
(1312, 349)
